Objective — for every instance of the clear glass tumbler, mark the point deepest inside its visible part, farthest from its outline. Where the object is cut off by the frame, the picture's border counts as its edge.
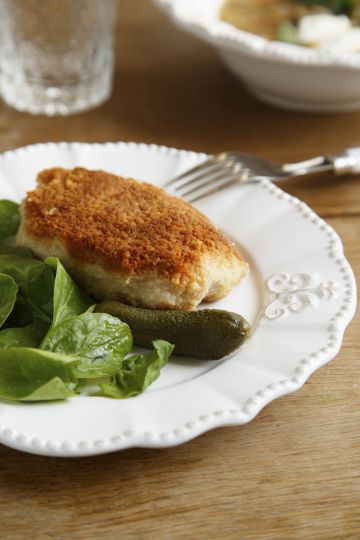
(56, 56)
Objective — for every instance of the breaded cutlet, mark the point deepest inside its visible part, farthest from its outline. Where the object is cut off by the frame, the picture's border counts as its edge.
(126, 240)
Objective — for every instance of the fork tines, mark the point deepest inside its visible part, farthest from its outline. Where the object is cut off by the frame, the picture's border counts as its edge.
(211, 176)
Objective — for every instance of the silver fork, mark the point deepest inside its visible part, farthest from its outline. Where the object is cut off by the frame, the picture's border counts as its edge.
(230, 168)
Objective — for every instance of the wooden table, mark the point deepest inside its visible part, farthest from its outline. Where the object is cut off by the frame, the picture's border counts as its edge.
(292, 473)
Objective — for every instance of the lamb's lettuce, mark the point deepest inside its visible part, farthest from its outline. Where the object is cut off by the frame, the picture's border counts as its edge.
(8, 293)
(9, 218)
(138, 372)
(28, 374)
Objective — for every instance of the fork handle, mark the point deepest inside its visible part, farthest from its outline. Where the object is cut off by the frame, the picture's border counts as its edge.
(347, 162)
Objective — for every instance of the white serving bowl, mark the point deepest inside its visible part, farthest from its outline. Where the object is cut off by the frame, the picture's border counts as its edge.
(288, 76)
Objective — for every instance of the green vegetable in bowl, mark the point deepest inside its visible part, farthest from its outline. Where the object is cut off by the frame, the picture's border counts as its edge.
(288, 32)
(339, 7)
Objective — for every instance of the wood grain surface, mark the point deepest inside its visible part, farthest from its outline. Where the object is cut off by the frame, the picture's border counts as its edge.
(292, 473)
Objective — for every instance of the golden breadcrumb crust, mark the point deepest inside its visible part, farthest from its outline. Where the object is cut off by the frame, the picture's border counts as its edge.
(123, 224)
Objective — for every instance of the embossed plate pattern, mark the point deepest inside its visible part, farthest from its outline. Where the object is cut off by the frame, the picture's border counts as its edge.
(299, 297)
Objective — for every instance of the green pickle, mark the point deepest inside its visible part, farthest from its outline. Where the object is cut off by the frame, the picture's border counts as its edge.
(207, 334)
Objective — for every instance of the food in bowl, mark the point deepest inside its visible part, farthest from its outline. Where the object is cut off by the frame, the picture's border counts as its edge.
(325, 24)
(281, 74)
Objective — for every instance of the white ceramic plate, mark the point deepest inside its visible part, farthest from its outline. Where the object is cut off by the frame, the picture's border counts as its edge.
(300, 296)
(282, 74)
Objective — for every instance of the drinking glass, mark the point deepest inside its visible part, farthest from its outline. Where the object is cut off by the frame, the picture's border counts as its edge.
(56, 56)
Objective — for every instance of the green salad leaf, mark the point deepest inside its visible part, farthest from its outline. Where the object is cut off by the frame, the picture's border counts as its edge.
(287, 31)
(52, 341)
(28, 374)
(138, 372)
(8, 293)
(35, 282)
(9, 218)
(68, 298)
(19, 317)
(100, 341)
(18, 251)
(25, 336)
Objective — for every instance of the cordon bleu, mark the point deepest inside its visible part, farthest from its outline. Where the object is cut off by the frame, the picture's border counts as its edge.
(126, 240)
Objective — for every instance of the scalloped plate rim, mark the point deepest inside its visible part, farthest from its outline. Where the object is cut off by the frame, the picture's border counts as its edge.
(214, 419)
